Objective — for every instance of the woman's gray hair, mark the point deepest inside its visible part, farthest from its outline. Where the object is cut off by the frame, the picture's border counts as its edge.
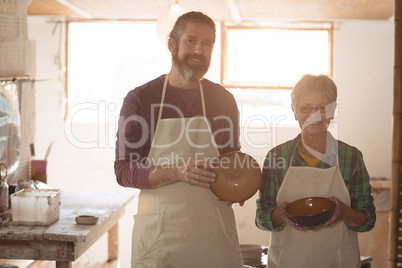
(190, 17)
(317, 84)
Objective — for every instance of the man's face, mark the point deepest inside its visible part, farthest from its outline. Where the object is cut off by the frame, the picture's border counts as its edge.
(191, 56)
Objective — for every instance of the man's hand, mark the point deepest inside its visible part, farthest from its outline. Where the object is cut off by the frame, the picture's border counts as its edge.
(191, 172)
(196, 173)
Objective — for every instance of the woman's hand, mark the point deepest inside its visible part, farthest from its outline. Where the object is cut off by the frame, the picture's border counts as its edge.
(342, 212)
(279, 216)
(338, 212)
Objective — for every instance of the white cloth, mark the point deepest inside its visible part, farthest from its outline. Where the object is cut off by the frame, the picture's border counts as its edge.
(335, 246)
(181, 225)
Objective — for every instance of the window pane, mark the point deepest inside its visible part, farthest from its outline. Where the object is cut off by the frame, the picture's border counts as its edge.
(106, 59)
(272, 106)
(275, 57)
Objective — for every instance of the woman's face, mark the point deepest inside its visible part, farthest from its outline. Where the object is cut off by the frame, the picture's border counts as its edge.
(314, 114)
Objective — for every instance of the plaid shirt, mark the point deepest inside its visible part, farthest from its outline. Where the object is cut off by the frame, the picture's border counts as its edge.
(351, 166)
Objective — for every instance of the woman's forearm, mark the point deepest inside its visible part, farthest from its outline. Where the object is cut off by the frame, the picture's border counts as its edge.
(354, 218)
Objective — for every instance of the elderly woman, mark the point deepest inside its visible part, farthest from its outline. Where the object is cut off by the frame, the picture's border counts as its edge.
(315, 164)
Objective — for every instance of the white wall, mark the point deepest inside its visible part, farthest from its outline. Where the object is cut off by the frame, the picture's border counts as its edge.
(363, 66)
(363, 71)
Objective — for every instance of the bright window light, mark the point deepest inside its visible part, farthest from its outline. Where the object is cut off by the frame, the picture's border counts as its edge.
(106, 59)
(274, 58)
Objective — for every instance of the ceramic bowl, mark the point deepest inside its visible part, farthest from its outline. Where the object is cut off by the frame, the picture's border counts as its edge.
(310, 212)
(238, 177)
(86, 219)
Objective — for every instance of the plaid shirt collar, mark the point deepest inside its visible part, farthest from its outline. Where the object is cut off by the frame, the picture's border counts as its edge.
(330, 158)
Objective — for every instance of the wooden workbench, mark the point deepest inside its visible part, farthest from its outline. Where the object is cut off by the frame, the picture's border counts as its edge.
(65, 241)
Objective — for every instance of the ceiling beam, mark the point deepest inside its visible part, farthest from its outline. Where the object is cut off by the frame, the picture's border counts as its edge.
(75, 8)
(234, 10)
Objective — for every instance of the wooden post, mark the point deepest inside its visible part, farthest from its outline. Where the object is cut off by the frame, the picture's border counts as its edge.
(113, 243)
(396, 175)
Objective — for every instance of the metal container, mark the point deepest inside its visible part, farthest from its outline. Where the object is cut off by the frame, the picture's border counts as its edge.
(3, 195)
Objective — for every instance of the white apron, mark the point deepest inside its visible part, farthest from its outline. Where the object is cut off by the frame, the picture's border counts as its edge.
(181, 225)
(335, 246)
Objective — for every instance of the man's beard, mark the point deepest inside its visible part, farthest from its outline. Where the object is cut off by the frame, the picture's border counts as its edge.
(190, 73)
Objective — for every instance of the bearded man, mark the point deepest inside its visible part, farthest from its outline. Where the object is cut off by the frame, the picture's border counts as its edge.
(169, 131)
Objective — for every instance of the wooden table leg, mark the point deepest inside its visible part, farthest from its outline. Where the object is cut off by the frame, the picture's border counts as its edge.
(113, 243)
(63, 264)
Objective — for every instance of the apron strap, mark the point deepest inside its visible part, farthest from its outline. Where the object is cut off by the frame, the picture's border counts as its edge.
(163, 97)
(202, 100)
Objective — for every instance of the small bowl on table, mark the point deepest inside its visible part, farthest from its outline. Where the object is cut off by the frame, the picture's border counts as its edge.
(86, 219)
(310, 212)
